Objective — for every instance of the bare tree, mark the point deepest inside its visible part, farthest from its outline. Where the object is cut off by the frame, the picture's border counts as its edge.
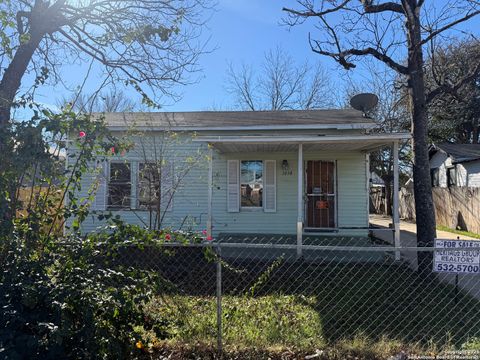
(143, 43)
(113, 100)
(395, 33)
(282, 84)
(390, 115)
(454, 116)
(162, 162)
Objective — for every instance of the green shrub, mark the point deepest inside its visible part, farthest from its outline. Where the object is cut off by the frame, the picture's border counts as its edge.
(69, 302)
(66, 297)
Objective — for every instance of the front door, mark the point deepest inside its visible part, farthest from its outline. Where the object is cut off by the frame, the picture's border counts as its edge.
(320, 188)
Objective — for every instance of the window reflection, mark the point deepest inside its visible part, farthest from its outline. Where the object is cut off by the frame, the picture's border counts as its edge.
(251, 183)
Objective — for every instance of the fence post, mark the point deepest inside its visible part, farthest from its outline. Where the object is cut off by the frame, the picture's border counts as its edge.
(395, 212)
(219, 301)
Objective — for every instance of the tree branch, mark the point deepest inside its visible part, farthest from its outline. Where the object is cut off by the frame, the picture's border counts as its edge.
(388, 6)
(341, 57)
(445, 88)
(18, 17)
(311, 12)
(448, 26)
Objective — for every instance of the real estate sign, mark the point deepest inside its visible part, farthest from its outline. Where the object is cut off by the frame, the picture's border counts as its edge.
(457, 256)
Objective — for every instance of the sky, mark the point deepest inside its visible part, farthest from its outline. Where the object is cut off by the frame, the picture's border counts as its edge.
(242, 31)
(238, 32)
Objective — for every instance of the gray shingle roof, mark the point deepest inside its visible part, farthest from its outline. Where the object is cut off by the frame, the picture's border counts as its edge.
(241, 119)
(460, 152)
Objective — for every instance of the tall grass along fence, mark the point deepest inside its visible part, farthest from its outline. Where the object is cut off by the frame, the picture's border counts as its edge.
(265, 292)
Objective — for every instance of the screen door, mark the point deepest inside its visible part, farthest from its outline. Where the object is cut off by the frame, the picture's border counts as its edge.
(320, 189)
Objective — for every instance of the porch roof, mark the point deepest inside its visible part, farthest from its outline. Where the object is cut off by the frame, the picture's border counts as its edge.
(240, 120)
(257, 143)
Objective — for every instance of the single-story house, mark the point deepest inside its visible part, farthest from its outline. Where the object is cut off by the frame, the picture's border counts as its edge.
(455, 165)
(271, 172)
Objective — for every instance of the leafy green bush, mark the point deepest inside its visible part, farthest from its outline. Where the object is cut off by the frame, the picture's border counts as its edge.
(69, 302)
(62, 297)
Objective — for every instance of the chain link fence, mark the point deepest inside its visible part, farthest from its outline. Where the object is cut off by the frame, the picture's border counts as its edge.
(259, 291)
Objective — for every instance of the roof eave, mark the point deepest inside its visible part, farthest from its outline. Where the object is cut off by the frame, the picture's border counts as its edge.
(463, 160)
(352, 126)
(255, 139)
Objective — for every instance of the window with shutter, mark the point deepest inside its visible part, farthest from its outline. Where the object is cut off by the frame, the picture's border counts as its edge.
(155, 182)
(168, 186)
(233, 186)
(270, 188)
(100, 202)
(251, 183)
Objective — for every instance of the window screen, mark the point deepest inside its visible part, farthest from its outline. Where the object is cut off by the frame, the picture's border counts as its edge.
(119, 186)
(434, 177)
(251, 183)
(452, 176)
(148, 185)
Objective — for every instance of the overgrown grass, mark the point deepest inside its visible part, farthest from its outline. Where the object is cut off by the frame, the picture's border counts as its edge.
(460, 232)
(365, 310)
(268, 322)
(265, 327)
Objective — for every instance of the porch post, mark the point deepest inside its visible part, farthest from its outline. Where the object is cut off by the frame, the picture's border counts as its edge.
(210, 192)
(300, 201)
(395, 212)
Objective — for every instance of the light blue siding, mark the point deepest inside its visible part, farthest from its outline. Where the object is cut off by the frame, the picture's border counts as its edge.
(190, 201)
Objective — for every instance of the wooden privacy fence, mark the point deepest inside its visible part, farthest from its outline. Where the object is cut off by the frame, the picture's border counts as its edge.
(458, 208)
(455, 207)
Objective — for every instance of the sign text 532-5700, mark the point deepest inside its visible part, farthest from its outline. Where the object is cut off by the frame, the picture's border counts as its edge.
(457, 256)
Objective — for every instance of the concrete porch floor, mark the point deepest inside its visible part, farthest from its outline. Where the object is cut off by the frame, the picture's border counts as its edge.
(264, 250)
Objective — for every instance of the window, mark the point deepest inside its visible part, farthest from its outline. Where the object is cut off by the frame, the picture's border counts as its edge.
(148, 185)
(119, 186)
(251, 183)
(451, 177)
(434, 177)
(155, 186)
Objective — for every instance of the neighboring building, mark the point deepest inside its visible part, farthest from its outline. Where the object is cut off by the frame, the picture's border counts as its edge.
(376, 181)
(455, 165)
(272, 172)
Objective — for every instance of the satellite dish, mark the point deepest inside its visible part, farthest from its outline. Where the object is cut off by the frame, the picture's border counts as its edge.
(364, 102)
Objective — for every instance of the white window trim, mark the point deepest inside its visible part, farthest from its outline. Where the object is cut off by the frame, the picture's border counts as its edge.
(107, 185)
(169, 209)
(250, 208)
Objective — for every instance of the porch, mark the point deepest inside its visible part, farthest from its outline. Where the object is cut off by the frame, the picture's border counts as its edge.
(308, 149)
(315, 248)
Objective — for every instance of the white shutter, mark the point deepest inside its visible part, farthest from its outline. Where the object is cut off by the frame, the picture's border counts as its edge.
(233, 186)
(101, 193)
(270, 186)
(168, 185)
(134, 184)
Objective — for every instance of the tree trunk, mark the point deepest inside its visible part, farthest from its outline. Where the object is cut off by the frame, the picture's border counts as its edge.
(9, 86)
(475, 131)
(12, 77)
(421, 168)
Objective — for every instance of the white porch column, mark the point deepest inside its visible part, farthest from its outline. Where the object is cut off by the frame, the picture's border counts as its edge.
(300, 201)
(210, 192)
(395, 212)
